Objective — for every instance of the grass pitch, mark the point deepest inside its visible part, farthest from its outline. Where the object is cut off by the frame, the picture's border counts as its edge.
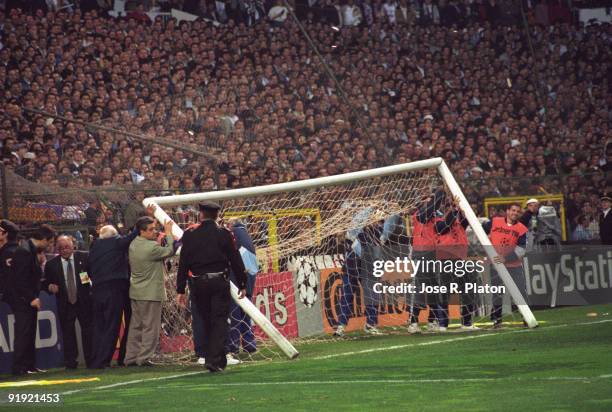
(565, 364)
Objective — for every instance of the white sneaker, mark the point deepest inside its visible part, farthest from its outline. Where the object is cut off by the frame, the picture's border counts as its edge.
(470, 327)
(372, 330)
(442, 329)
(201, 361)
(432, 327)
(414, 328)
(339, 331)
(231, 360)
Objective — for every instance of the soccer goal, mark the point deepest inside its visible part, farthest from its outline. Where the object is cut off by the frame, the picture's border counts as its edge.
(303, 231)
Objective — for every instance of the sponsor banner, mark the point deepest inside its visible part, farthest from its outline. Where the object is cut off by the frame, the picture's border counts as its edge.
(49, 353)
(572, 276)
(305, 271)
(392, 311)
(274, 296)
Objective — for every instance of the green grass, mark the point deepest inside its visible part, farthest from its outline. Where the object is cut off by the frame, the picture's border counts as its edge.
(562, 365)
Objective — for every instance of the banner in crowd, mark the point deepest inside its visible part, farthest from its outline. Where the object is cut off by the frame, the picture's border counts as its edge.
(576, 276)
(48, 336)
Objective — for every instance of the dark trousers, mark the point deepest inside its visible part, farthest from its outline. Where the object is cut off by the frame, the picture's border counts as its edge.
(240, 332)
(68, 316)
(350, 287)
(420, 301)
(213, 302)
(197, 327)
(24, 353)
(467, 299)
(467, 307)
(518, 276)
(111, 301)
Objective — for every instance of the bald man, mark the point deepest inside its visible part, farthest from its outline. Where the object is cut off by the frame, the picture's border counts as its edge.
(66, 276)
(110, 276)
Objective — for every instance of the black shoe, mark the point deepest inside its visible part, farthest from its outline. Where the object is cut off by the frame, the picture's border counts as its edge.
(71, 365)
(213, 368)
(497, 324)
(148, 364)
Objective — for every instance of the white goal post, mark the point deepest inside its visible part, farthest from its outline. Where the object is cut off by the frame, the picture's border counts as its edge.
(437, 164)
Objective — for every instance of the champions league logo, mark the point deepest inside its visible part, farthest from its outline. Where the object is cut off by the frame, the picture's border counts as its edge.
(307, 282)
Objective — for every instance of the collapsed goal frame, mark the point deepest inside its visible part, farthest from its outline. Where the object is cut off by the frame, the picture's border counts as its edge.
(436, 164)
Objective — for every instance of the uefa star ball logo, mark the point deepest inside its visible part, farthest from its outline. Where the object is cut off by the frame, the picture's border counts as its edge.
(307, 283)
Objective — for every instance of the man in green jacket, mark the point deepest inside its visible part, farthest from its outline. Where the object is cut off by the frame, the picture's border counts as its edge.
(147, 290)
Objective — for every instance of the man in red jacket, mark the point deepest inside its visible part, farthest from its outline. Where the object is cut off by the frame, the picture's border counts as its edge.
(453, 245)
(424, 239)
(509, 237)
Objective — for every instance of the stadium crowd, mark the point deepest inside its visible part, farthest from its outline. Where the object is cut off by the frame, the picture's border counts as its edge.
(510, 113)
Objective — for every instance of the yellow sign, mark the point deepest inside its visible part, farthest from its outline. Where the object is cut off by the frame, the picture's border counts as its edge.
(269, 257)
(43, 382)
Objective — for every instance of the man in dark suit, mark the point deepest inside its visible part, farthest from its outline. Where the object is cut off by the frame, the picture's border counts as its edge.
(66, 277)
(110, 275)
(22, 297)
(605, 220)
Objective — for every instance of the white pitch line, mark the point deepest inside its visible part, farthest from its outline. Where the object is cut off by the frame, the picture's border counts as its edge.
(351, 382)
(437, 342)
(134, 382)
(406, 381)
(181, 375)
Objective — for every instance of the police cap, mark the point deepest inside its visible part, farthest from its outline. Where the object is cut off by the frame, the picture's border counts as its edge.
(209, 205)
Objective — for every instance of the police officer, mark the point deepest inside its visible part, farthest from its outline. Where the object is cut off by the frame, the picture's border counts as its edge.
(209, 252)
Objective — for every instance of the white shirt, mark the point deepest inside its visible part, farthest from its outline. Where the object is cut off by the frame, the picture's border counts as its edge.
(605, 212)
(389, 9)
(65, 267)
(351, 15)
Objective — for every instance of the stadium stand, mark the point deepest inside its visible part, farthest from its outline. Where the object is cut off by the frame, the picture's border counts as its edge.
(510, 113)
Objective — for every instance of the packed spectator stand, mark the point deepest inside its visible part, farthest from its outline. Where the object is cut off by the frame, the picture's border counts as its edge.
(510, 113)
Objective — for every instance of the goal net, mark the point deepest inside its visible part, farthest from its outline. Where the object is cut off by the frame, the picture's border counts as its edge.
(317, 243)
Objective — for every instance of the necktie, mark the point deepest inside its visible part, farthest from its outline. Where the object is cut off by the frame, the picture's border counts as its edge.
(71, 283)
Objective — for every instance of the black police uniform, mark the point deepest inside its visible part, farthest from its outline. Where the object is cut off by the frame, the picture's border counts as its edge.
(208, 253)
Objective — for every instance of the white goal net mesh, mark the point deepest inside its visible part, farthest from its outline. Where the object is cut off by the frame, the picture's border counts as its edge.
(304, 284)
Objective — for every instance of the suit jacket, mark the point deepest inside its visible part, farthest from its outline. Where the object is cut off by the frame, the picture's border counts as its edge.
(54, 273)
(147, 268)
(108, 259)
(24, 277)
(605, 228)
